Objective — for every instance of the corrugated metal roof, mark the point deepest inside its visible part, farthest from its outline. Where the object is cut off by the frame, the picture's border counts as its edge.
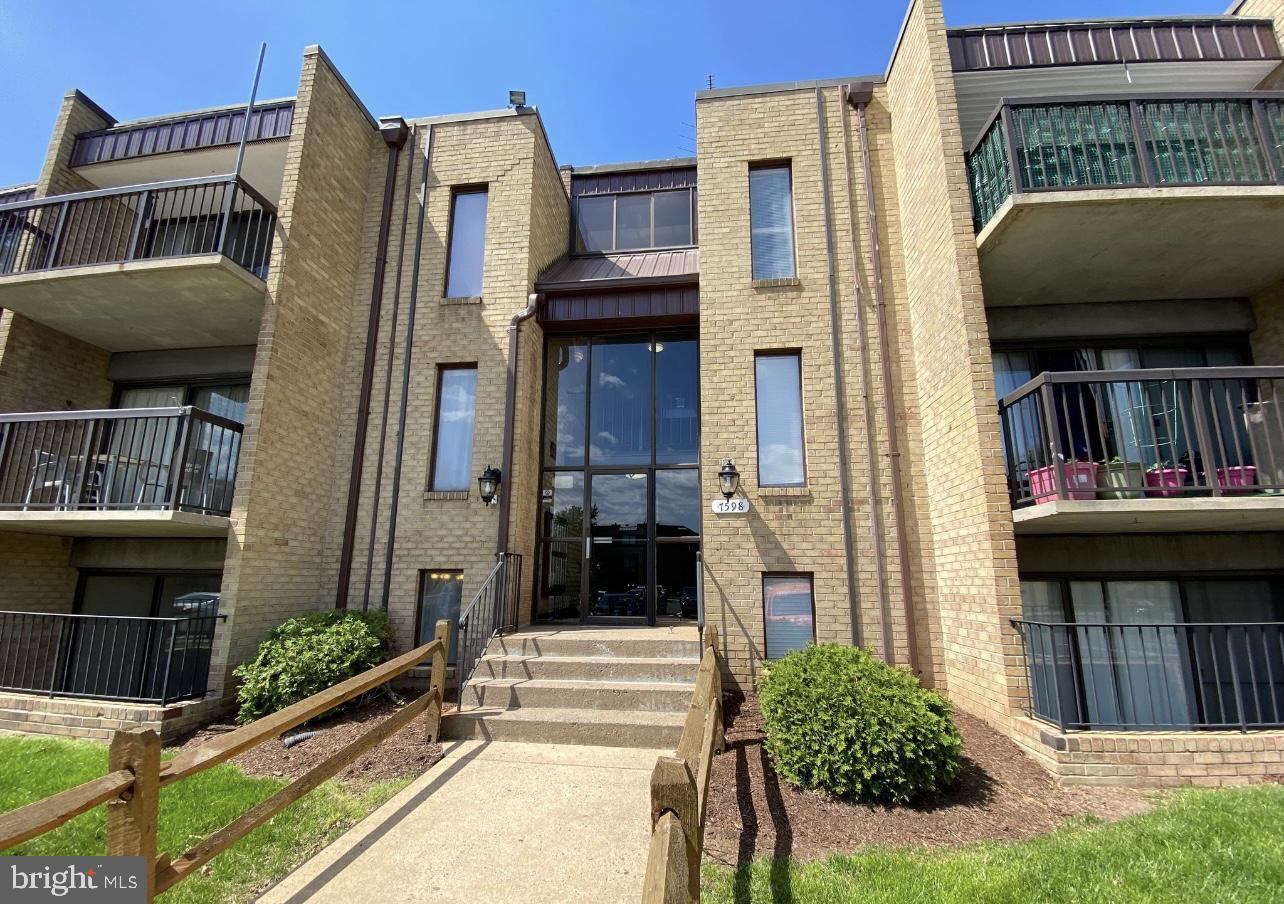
(612, 181)
(183, 132)
(674, 267)
(13, 193)
(676, 303)
(1110, 41)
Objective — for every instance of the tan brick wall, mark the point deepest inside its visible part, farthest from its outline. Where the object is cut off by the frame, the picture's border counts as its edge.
(36, 573)
(275, 567)
(1153, 759)
(963, 479)
(796, 530)
(526, 230)
(98, 719)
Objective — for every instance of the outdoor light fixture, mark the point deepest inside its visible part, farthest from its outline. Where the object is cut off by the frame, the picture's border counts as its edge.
(517, 98)
(488, 484)
(728, 478)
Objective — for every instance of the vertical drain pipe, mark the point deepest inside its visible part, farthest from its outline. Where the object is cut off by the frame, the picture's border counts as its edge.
(861, 96)
(393, 130)
(840, 395)
(387, 377)
(510, 414)
(413, 305)
(889, 397)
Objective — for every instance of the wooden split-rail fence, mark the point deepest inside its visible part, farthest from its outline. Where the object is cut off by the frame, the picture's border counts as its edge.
(131, 790)
(680, 787)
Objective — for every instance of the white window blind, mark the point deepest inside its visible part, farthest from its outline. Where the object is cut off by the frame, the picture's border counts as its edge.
(771, 222)
(778, 387)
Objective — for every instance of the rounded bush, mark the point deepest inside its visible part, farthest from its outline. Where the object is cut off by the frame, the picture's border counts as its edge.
(844, 723)
(308, 654)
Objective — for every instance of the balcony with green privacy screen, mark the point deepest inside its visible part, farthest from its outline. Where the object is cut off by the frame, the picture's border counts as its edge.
(1083, 198)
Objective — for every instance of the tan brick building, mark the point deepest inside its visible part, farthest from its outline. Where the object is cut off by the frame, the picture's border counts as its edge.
(991, 342)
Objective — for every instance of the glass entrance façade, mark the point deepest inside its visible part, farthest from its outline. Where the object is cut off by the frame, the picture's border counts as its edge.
(620, 442)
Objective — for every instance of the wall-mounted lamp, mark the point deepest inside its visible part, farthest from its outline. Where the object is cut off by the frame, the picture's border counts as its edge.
(517, 98)
(728, 478)
(488, 484)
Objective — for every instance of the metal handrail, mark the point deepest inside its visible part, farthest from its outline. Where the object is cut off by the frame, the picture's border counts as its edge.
(491, 612)
(1140, 375)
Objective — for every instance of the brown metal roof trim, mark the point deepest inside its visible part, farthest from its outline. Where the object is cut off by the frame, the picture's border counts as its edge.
(15, 193)
(630, 269)
(641, 180)
(212, 128)
(1038, 44)
(679, 303)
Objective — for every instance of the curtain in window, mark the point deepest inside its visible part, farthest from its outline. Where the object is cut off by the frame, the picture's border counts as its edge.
(455, 416)
(467, 245)
(771, 219)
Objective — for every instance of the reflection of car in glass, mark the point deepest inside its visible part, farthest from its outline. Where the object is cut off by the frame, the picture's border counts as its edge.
(786, 605)
(689, 603)
(196, 605)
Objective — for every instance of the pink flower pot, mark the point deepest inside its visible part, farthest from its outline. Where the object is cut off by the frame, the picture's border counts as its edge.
(1080, 478)
(1166, 481)
(1237, 478)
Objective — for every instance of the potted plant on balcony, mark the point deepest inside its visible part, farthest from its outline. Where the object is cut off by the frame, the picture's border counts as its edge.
(1162, 479)
(1079, 477)
(1237, 479)
(1120, 479)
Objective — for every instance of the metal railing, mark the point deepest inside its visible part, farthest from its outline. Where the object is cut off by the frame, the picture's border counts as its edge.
(492, 611)
(1137, 677)
(1145, 434)
(131, 459)
(208, 215)
(1143, 140)
(106, 657)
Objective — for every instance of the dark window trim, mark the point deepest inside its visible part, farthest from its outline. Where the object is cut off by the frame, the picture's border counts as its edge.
(787, 164)
(1203, 341)
(802, 412)
(82, 574)
(762, 585)
(419, 598)
(189, 384)
(436, 424)
(576, 251)
(1064, 579)
(470, 188)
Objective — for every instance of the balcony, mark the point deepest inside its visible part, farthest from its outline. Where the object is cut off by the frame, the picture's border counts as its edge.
(1121, 198)
(1200, 449)
(177, 264)
(1157, 677)
(130, 472)
(107, 657)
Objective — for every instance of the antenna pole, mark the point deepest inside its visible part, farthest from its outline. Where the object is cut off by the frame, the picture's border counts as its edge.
(249, 111)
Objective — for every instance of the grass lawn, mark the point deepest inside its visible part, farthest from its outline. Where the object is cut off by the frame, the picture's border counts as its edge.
(32, 768)
(1201, 845)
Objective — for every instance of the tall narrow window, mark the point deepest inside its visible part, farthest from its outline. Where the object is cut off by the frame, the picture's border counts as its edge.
(467, 243)
(771, 221)
(778, 387)
(453, 437)
(440, 595)
(789, 613)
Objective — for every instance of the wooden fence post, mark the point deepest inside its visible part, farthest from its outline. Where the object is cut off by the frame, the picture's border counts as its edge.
(437, 682)
(673, 790)
(131, 819)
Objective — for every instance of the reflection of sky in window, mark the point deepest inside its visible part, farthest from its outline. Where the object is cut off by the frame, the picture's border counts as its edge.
(619, 499)
(677, 503)
(621, 403)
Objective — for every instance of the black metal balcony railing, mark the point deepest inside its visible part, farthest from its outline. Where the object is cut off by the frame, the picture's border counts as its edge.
(138, 459)
(215, 215)
(1151, 140)
(106, 657)
(1155, 676)
(1145, 434)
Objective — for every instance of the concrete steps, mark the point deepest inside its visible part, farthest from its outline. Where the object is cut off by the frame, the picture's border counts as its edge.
(612, 687)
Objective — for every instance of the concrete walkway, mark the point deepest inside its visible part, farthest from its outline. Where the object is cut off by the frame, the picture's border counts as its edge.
(496, 822)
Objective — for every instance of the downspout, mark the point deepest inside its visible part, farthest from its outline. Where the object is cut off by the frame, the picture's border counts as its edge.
(510, 414)
(413, 306)
(393, 131)
(387, 376)
(889, 397)
(840, 400)
(871, 428)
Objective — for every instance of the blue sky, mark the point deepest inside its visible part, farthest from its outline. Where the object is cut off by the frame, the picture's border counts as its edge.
(614, 81)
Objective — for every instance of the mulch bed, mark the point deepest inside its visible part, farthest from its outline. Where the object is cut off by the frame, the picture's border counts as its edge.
(1001, 795)
(405, 754)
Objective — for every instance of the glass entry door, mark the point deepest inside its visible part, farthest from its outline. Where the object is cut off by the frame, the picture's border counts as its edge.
(619, 521)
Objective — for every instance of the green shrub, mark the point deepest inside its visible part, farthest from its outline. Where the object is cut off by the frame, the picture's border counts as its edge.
(309, 654)
(842, 722)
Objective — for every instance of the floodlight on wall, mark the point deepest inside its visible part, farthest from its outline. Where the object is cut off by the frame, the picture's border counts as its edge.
(517, 98)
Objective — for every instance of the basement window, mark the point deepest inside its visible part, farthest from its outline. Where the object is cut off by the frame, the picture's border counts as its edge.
(789, 613)
(441, 593)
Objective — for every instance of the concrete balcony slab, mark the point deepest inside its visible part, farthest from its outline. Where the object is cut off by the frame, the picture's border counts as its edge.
(115, 523)
(1116, 516)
